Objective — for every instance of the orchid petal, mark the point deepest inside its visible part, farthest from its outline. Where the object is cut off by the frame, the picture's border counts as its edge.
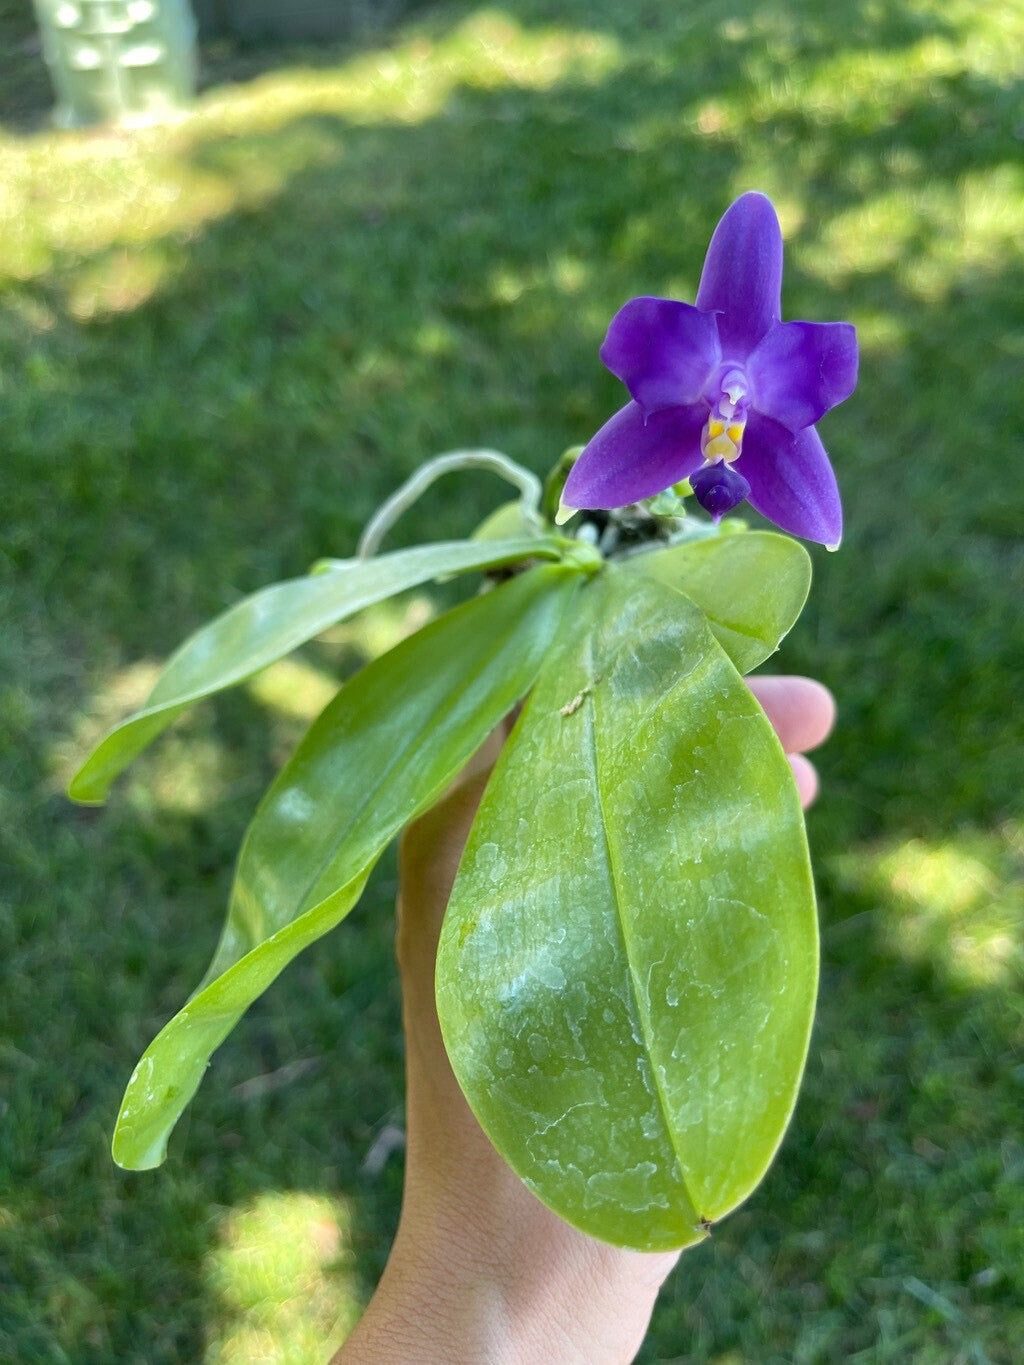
(791, 480)
(634, 456)
(742, 275)
(662, 350)
(801, 369)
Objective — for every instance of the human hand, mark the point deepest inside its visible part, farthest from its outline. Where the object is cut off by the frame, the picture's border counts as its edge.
(481, 1272)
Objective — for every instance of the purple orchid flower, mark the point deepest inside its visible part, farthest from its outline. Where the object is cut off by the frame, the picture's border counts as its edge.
(724, 393)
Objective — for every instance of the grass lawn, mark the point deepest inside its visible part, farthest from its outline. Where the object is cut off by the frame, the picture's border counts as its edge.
(221, 345)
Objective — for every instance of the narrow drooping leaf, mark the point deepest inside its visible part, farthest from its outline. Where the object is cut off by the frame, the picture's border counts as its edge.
(627, 969)
(271, 623)
(751, 587)
(381, 752)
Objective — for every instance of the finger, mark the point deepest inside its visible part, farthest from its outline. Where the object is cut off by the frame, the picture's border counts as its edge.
(806, 778)
(801, 711)
(428, 860)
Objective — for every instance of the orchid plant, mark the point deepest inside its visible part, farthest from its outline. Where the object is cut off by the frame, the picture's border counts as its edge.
(627, 971)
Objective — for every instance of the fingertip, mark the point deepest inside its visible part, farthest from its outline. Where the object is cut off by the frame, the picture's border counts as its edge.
(806, 776)
(801, 710)
(819, 708)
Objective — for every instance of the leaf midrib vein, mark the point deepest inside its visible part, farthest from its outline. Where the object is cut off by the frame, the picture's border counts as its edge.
(614, 876)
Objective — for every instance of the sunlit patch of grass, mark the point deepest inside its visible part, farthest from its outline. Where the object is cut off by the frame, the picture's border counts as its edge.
(118, 188)
(189, 777)
(958, 904)
(435, 339)
(118, 282)
(413, 80)
(294, 688)
(931, 238)
(148, 189)
(874, 235)
(380, 627)
(991, 222)
(880, 330)
(29, 315)
(866, 86)
(562, 273)
(282, 1273)
(121, 693)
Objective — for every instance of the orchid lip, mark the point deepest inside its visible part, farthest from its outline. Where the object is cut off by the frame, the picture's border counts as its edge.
(719, 488)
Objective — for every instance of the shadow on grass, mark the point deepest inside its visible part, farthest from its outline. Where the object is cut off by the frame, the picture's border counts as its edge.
(216, 407)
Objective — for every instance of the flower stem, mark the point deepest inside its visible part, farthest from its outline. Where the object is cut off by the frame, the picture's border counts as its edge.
(388, 513)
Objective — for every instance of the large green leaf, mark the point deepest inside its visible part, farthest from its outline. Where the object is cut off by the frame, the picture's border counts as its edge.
(751, 587)
(381, 752)
(627, 969)
(271, 623)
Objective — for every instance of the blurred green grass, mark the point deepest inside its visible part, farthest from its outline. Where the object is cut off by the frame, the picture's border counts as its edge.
(221, 345)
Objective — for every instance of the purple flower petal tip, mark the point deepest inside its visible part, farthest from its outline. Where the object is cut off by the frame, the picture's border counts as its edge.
(791, 481)
(742, 276)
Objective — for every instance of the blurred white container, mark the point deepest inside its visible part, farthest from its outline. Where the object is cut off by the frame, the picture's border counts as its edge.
(131, 62)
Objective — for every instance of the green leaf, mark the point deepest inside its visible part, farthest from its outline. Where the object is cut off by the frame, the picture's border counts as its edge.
(627, 969)
(510, 519)
(751, 587)
(380, 753)
(555, 481)
(271, 623)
